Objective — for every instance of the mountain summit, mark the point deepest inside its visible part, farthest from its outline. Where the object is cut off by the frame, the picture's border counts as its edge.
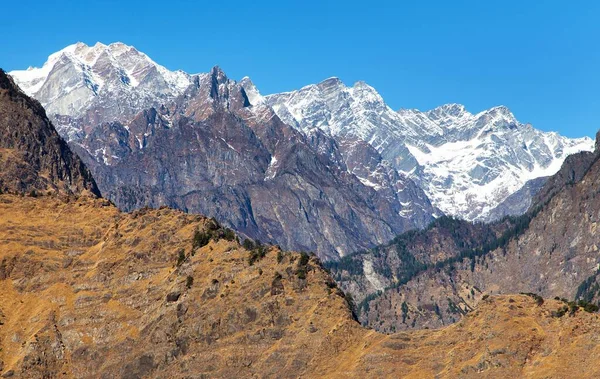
(116, 80)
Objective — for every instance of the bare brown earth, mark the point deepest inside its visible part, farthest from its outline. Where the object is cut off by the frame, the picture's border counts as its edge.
(88, 292)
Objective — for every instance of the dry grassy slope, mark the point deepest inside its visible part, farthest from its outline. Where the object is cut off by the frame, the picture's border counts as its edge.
(86, 291)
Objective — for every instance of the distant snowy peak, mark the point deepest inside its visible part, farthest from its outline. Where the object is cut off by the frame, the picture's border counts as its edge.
(448, 110)
(333, 107)
(360, 111)
(450, 116)
(254, 96)
(466, 163)
(76, 77)
(99, 61)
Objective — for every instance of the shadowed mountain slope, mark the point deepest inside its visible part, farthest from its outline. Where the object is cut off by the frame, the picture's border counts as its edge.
(33, 157)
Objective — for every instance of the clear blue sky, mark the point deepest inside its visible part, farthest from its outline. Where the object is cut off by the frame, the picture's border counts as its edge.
(539, 58)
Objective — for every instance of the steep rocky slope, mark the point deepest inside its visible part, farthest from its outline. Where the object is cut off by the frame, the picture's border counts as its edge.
(552, 250)
(79, 280)
(33, 157)
(212, 153)
(197, 143)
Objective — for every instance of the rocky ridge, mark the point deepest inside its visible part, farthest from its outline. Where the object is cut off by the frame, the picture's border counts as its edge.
(467, 164)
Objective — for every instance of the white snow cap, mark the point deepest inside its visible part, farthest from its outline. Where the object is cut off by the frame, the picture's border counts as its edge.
(72, 77)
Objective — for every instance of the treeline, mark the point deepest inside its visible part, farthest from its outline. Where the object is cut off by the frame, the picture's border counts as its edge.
(353, 264)
(515, 227)
(589, 288)
(518, 226)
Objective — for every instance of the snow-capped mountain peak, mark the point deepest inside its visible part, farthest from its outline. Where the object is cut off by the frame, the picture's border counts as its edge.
(254, 96)
(333, 107)
(76, 77)
(498, 115)
(449, 115)
(331, 81)
(466, 163)
(451, 109)
(365, 93)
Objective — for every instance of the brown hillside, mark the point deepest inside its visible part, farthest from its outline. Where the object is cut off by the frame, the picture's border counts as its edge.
(88, 292)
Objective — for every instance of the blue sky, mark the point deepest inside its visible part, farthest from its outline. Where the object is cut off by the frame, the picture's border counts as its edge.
(541, 59)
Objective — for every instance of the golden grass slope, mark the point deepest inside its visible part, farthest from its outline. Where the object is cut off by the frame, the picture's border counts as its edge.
(87, 291)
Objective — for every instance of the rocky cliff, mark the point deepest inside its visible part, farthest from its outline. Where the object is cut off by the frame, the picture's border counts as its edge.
(207, 144)
(33, 157)
(213, 153)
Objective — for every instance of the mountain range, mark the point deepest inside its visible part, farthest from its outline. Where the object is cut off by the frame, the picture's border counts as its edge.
(467, 164)
(88, 291)
(349, 172)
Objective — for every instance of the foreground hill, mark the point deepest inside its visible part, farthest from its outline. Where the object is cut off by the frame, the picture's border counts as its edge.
(79, 280)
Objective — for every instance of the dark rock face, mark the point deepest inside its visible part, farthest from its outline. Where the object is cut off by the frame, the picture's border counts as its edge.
(571, 172)
(552, 250)
(33, 157)
(211, 152)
